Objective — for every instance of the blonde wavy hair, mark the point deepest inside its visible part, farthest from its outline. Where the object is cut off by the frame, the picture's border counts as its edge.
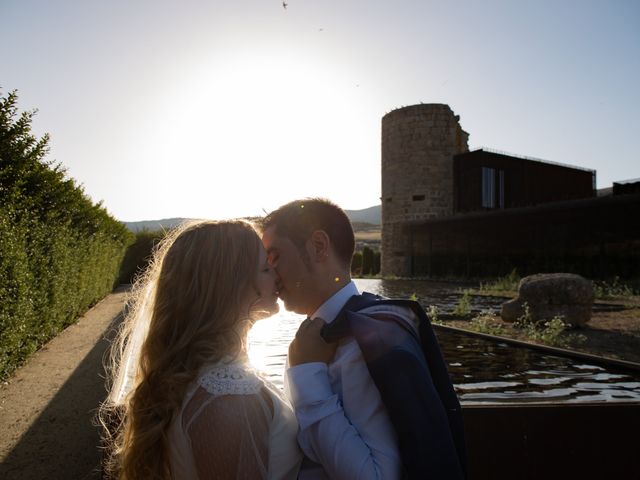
(195, 297)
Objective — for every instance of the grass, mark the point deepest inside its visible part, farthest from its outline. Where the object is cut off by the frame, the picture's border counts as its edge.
(463, 307)
(553, 332)
(612, 290)
(432, 314)
(507, 284)
(603, 290)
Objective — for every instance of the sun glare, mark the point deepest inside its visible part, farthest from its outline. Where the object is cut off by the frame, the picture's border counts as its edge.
(268, 342)
(242, 124)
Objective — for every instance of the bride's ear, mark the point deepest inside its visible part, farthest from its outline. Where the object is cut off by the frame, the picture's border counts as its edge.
(318, 246)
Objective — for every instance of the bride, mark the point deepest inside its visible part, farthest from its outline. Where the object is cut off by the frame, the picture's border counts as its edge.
(185, 401)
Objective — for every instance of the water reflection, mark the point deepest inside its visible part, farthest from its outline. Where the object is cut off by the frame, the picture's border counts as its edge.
(487, 372)
(482, 371)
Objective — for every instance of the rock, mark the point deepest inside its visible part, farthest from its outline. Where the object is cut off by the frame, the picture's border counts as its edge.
(511, 310)
(556, 289)
(548, 295)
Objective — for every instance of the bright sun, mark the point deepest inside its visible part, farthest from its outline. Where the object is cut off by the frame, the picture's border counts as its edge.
(249, 129)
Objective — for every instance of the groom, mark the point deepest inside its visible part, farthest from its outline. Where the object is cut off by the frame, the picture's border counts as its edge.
(346, 430)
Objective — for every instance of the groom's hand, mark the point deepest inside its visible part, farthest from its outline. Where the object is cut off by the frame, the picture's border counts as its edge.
(309, 346)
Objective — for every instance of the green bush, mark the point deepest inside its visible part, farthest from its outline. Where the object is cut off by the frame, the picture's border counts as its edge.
(59, 252)
(486, 322)
(552, 332)
(138, 254)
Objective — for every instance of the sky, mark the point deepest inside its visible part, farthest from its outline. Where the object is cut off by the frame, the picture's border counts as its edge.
(211, 109)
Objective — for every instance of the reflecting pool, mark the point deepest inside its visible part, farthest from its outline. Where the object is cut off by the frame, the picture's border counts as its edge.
(483, 371)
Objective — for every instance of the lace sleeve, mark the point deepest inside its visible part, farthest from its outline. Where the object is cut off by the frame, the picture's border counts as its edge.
(229, 433)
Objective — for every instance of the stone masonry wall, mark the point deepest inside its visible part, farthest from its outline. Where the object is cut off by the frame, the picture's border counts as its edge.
(418, 145)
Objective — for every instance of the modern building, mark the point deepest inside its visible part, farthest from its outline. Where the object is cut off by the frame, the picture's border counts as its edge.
(447, 211)
(488, 180)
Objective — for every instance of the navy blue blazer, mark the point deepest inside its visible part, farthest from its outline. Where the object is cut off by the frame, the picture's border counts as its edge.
(414, 383)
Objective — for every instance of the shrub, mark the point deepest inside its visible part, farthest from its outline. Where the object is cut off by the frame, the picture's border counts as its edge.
(486, 322)
(59, 253)
(138, 254)
(552, 332)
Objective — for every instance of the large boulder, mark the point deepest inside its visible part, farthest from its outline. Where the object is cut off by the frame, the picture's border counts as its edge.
(548, 295)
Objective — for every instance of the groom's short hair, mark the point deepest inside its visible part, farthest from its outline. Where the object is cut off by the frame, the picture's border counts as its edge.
(297, 220)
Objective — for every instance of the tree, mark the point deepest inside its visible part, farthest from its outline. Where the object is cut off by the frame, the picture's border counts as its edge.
(356, 264)
(367, 261)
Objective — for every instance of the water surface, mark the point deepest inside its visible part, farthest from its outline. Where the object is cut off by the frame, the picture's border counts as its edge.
(482, 371)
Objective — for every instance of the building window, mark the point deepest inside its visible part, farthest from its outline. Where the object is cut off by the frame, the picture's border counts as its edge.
(488, 187)
(418, 198)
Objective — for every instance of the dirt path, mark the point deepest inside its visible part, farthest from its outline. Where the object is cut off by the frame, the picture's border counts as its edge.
(47, 406)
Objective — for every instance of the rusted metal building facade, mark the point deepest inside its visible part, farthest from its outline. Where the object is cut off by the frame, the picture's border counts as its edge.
(489, 180)
(595, 237)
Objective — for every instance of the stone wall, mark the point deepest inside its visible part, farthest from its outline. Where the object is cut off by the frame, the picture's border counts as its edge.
(418, 145)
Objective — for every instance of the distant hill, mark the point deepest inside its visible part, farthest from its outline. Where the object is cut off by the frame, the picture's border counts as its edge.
(152, 225)
(371, 215)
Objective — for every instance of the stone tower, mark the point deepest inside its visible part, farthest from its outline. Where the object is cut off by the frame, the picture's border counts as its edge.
(418, 145)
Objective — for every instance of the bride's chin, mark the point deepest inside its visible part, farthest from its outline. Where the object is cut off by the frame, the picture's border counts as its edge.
(265, 311)
(274, 308)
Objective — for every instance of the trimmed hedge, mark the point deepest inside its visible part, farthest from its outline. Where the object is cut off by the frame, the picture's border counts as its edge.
(139, 254)
(59, 252)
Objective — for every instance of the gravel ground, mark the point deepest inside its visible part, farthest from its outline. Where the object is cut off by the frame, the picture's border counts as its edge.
(47, 407)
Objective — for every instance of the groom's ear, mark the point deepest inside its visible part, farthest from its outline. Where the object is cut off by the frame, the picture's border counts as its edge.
(319, 245)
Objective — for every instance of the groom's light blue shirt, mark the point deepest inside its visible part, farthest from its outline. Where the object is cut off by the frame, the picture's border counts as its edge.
(344, 425)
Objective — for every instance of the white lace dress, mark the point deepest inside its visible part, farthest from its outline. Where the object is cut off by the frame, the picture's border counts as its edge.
(234, 425)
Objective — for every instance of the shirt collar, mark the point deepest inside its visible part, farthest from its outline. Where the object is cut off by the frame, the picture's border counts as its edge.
(330, 309)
